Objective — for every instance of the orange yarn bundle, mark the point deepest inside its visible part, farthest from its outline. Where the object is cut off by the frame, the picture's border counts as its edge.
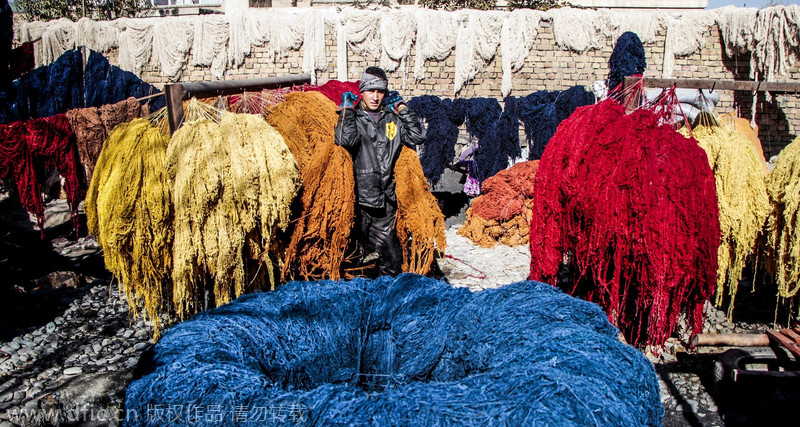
(420, 221)
(503, 213)
(322, 229)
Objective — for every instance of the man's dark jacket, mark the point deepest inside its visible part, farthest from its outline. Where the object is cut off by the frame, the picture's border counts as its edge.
(375, 148)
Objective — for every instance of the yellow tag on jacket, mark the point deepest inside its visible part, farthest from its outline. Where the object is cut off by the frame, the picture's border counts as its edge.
(391, 130)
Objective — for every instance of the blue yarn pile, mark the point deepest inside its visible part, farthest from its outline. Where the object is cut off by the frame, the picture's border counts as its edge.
(409, 350)
(443, 117)
(65, 84)
(627, 59)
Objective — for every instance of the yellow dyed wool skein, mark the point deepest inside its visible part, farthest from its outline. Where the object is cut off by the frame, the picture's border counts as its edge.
(783, 225)
(128, 211)
(233, 184)
(741, 197)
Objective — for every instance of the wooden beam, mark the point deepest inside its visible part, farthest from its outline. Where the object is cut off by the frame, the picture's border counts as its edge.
(712, 84)
(178, 92)
(791, 334)
(789, 344)
(730, 340)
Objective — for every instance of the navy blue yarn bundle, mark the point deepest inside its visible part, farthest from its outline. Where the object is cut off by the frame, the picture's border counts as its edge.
(66, 84)
(443, 117)
(108, 84)
(409, 350)
(627, 59)
(50, 89)
(537, 111)
(568, 100)
(542, 111)
(497, 133)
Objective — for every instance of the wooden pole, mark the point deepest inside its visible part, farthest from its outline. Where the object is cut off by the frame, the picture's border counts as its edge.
(730, 340)
(711, 84)
(177, 92)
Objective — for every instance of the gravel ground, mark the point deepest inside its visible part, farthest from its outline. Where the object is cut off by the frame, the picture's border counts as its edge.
(69, 347)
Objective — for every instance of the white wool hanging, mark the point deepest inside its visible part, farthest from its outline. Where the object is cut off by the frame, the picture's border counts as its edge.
(239, 43)
(172, 41)
(686, 34)
(777, 36)
(100, 36)
(646, 25)
(437, 32)
(210, 41)
(341, 48)
(30, 31)
(58, 38)
(136, 45)
(476, 45)
(737, 28)
(281, 29)
(357, 30)
(287, 29)
(517, 36)
(314, 57)
(578, 29)
(397, 31)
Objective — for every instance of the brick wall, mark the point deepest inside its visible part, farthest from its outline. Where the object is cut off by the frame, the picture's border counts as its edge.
(547, 67)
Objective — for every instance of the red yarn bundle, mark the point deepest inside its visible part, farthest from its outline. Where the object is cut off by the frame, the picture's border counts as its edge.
(41, 145)
(630, 206)
(16, 164)
(334, 89)
(504, 194)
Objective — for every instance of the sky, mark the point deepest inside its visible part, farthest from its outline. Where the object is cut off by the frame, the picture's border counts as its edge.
(713, 4)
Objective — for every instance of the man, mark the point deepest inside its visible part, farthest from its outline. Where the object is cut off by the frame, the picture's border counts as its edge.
(373, 132)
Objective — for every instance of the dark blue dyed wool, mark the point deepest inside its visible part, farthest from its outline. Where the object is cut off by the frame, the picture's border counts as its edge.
(443, 117)
(108, 84)
(627, 59)
(567, 101)
(409, 350)
(64, 89)
(508, 128)
(542, 111)
(51, 89)
(66, 84)
(537, 111)
(497, 133)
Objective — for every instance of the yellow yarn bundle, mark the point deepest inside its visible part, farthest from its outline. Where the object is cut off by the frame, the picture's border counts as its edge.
(783, 225)
(128, 211)
(741, 197)
(232, 184)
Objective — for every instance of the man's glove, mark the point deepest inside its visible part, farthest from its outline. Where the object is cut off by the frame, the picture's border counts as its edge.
(393, 100)
(348, 100)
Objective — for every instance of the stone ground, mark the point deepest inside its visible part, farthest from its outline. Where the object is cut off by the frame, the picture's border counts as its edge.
(68, 346)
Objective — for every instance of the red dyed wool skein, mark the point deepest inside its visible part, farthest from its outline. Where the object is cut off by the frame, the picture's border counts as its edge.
(630, 207)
